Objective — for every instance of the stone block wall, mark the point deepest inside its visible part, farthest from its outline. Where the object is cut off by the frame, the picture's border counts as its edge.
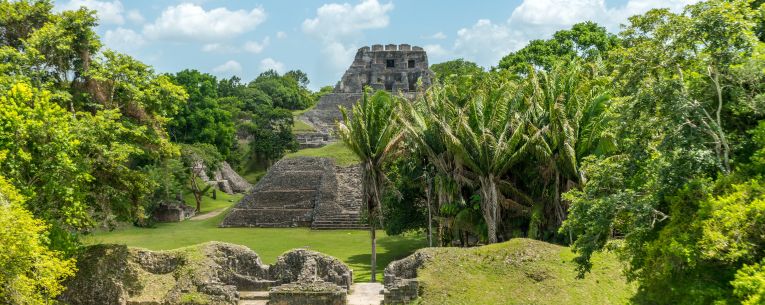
(316, 293)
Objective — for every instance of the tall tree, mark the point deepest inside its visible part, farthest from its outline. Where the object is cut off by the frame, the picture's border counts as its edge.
(489, 138)
(371, 132)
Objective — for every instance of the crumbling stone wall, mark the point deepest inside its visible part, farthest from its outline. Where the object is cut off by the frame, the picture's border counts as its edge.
(210, 273)
(224, 178)
(173, 212)
(314, 293)
(401, 284)
(395, 68)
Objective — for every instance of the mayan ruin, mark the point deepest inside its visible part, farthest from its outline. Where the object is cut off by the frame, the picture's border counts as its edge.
(315, 192)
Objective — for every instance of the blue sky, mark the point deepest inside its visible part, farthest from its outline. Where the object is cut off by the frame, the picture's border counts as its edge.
(245, 38)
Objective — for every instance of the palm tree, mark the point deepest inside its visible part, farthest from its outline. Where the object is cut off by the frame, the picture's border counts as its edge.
(372, 133)
(489, 138)
(422, 120)
(568, 109)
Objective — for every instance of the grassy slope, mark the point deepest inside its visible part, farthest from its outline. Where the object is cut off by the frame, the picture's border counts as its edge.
(351, 246)
(298, 125)
(338, 151)
(520, 271)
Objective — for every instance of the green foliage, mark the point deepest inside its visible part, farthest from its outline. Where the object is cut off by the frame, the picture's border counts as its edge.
(749, 285)
(202, 120)
(456, 68)
(584, 40)
(32, 273)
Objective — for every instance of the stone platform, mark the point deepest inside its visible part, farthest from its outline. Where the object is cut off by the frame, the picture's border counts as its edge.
(302, 192)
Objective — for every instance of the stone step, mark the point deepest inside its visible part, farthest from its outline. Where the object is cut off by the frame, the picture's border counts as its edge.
(340, 227)
(253, 295)
(253, 302)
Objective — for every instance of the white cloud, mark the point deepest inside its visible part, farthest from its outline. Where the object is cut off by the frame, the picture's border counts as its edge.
(107, 11)
(439, 36)
(256, 47)
(271, 64)
(123, 39)
(191, 22)
(436, 52)
(135, 16)
(219, 48)
(281, 35)
(339, 27)
(228, 68)
(486, 42)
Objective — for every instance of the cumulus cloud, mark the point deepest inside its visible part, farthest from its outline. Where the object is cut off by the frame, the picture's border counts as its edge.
(436, 52)
(271, 64)
(228, 68)
(121, 39)
(107, 11)
(256, 47)
(340, 26)
(486, 42)
(191, 22)
(135, 16)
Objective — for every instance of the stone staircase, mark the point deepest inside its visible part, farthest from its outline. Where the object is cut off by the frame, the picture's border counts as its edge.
(303, 192)
(346, 214)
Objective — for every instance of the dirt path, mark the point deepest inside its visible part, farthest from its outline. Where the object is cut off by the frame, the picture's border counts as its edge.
(365, 294)
(208, 215)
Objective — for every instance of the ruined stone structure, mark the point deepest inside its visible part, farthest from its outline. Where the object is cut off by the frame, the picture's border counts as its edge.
(401, 284)
(224, 178)
(302, 192)
(395, 68)
(314, 192)
(211, 273)
(173, 212)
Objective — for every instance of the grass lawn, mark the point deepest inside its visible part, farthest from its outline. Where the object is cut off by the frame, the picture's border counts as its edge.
(208, 204)
(338, 151)
(351, 246)
(520, 271)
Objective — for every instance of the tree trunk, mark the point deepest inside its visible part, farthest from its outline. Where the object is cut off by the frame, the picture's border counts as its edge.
(430, 213)
(489, 206)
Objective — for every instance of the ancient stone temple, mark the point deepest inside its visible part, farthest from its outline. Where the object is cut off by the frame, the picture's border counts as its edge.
(315, 192)
(400, 69)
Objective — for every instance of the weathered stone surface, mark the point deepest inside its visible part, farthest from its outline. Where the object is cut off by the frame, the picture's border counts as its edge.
(401, 284)
(307, 266)
(209, 273)
(173, 212)
(225, 178)
(395, 68)
(314, 293)
(301, 192)
(236, 182)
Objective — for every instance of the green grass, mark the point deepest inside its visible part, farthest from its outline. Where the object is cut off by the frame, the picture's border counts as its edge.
(208, 204)
(520, 271)
(338, 151)
(350, 246)
(297, 124)
(254, 176)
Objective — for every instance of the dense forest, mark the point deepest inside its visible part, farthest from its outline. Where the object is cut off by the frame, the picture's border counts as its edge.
(649, 143)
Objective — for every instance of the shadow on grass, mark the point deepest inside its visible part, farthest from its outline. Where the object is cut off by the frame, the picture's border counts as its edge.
(396, 247)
